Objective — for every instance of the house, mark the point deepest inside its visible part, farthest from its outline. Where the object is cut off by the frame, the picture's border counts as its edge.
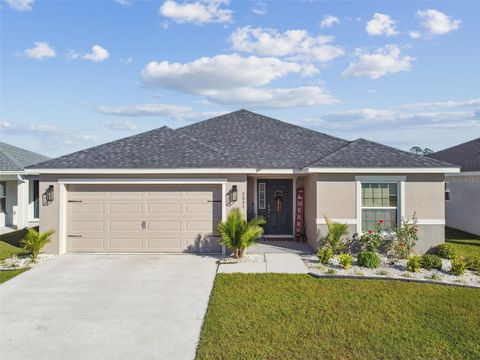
(463, 189)
(165, 190)
(19, 205)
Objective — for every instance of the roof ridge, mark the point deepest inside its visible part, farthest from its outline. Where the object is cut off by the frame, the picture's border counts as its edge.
(333, 152)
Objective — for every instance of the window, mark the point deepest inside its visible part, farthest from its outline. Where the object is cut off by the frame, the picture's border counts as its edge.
(447, 193)
(3, 196)
(379, 202)
(261, 195)
(36, 192)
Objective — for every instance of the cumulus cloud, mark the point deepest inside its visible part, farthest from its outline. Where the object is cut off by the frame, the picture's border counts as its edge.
(41, 50)
(415, 34)
(221, 72)
(198, 12)
(259, 8)
(444, 104)
(297, 44)
(274, 98)
(329, 21)
(386, 60)
(98, 54)
(381, 24)
(119, 124)
(54, 134)
(4, 124)
(437, 22)
(176, 112)
(124, 2)
(20, 5)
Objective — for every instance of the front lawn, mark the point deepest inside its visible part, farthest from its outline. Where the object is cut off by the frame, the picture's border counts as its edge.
(277, 316)
(8, 274)
(7, 250)
(465, 244)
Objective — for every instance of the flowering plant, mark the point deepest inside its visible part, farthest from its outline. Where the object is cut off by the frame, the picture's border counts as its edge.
(372, 239)
(406, 236)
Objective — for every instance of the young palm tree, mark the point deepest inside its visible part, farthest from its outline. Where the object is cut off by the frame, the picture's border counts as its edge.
(34, 241)
(237, 234)
(335, 233)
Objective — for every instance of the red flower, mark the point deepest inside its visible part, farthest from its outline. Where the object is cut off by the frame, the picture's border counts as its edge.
(401, 244)
(370, 231)
(381, 221)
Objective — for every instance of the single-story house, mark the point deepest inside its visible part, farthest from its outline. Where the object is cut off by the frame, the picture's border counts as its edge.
(19, 206)
(165, 190)
(462, 200)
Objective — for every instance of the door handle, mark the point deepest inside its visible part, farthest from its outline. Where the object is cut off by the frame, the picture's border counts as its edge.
(144, 224)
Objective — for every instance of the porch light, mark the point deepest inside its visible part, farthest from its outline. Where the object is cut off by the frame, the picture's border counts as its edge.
(234, 193)
(49, 194)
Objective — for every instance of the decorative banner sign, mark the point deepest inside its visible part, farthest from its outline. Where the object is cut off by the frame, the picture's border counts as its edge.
(300, 210)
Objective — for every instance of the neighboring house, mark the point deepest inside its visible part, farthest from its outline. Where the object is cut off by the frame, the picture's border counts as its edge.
(19, 205)
(463, 189)
(165, 190)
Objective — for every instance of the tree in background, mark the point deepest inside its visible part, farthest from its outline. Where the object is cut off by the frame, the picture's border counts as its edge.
(417, 150)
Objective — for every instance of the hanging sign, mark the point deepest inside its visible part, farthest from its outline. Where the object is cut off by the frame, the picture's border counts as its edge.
(300, 201)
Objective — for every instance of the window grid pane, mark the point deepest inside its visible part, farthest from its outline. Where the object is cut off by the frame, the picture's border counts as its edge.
(379, 194)
(370, 218)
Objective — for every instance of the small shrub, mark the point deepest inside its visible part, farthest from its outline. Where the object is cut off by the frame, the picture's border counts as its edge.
(445, 251)
(413, 264)
(406, 236)
(458, 266)
(372, 239)
(382, 273)
(331, 271)
(35, 241)
(473, 263)
(368, 259)
(434, 277)
(359, 273)
(325, 254)
(345, 260)
(430, 261)
(335, 233)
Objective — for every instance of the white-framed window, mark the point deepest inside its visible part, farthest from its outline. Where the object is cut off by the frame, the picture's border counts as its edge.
(3, 196)
(262, 195)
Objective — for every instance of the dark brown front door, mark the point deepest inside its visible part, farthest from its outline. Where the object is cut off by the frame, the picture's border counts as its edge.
(275, 204)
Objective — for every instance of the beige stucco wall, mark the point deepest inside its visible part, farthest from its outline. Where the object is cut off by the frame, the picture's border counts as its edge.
(425, 195)
(463, 208)
(50, 213)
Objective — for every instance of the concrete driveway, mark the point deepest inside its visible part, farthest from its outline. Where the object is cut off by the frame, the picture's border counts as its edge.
(106, 307)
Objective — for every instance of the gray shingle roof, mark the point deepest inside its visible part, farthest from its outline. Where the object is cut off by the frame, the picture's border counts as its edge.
(241, 139)
(466, 155)
(13, 158)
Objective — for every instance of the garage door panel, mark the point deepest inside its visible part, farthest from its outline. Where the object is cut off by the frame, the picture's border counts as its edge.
(167, 208)
(125, 208)
(124, 194)
(201, 226)
(87, 244)
(164, 225)
(87, 208)
(120, 225)
(199, 208)
(165, 194)
(165, 243)
(87, 225)
(125, 242)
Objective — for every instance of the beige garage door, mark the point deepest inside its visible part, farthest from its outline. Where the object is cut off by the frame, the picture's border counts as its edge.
(143, 218)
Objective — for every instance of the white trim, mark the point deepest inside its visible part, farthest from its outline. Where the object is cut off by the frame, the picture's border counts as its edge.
(277, 171)
(224, 212)
(402, 200)
(385, 170)
(466, 173)
(255, 208)
(321, 221)
(142, 181)
(380, 179)
(283, 236)
(431, 221)
(62, 216)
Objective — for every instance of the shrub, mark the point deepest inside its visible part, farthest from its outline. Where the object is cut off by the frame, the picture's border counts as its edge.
(430, 261)
(413, 264)
(345, 260)
(368, 259)
(458, 266)
(473, 263)
(445, 251)
(324, 254)
(334, 236)
(237, 234)
(372, 239)
(405, 237)
(35, 241)
(331, 271)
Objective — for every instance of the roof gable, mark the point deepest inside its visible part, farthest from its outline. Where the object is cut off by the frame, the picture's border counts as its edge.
(466, 155)
(13, 158)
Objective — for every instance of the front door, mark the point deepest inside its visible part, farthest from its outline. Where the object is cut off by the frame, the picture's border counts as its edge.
(275, 204)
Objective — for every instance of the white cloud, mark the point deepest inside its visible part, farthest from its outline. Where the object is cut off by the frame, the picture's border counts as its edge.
(293, 43)
(274, 98)
(52, 133)
(259, 8)
(21, 5)
(381, 24)
(4, 125)
(124, 2)
(444, 104)
(329, 21)
(72, 54)
(198, 12)
(386, 60)
(175, 112)
(98, 54)
(40, 50)
(221, 72)
(119, 124)
(414, 34)
(437, 22)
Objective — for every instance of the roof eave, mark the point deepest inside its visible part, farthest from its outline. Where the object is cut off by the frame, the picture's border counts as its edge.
(385, 170)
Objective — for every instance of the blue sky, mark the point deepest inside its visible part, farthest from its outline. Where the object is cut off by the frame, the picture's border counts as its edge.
(79, 73)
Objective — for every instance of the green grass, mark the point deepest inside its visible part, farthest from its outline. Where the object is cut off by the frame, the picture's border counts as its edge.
(8, 274)
(276, 316)
(7, 250)
(465, 244)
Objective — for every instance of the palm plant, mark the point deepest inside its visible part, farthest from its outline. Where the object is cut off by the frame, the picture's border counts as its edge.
(237, 234)
(335, 233)
(35, 241)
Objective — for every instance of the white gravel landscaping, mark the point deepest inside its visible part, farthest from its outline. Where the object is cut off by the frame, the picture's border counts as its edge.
(24, 262)
(388, 270)
(246, 258)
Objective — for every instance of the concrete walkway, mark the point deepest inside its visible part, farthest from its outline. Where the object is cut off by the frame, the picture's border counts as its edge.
(285, 263)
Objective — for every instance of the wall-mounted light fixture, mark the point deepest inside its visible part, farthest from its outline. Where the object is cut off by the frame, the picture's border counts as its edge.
(234, 193)
(49, 194)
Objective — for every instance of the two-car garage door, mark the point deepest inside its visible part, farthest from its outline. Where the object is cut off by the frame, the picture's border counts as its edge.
(143, 218)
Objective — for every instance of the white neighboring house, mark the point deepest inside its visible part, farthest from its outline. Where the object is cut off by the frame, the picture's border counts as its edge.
(463, 189)
(19, 193)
